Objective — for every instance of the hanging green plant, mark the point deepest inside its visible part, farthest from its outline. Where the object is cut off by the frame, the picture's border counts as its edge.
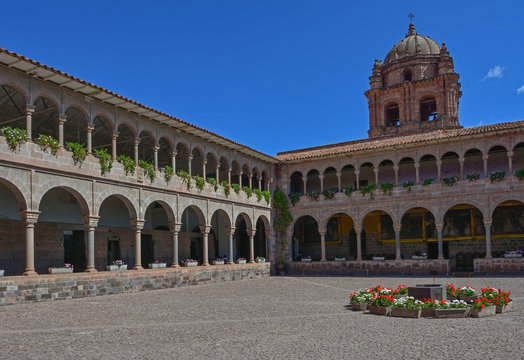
(227, 187)
(520, 174)
(129, 164)
(294, 197)
(497, 176)
(79, 151)
(258, 194)
(149, 169)
(15, 136)
(213, 182)
(267, 196)
(283, 217)
(185, 177)
(348, 190)
(408, 184)
(168, 173)
(473, 176)
(248, 191)
(428, 181)
(449, 181)
(329, 193)
(313, 195)
(369, 189)
(236, 187)
(48, 142)
(387, 188)
(106, 162)
(200, 182)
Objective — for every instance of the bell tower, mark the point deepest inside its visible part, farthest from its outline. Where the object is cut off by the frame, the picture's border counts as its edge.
(415, 89)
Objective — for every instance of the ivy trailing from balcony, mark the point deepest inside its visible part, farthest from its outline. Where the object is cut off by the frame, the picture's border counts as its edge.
(258, 194)
(129, 164)
(148, 168)
(48, 142)
(15, 136)
(497, 176)
(106, 162)
(236, 187)
(283, 217)
(267, 196)
(428, 181)
(348, 190)
(227, 187)
(520, 174)
(449, 181)
(408, 184)
(369, 189)
(168, 173)
(213, 182)
(294, 197)
(248, 191)
(79, 152)
(185, 178)
(200, 182)
(387, 188)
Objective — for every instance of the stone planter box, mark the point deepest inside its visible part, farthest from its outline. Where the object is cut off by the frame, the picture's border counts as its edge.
(340, 259)
(191, 263)
(378, 258)
(306, 260)
(502, 309)
(114, 267)
(427, 312)
(510, 256)
(428, 291)
(218, 262)
(405, 313)
(452, 297)
(467, 298)
(260, 260)
(415, 257)
(2, 272)
(487, 311)
(157, 265)
(60, 270)
(358, 306)
(241, 261)
(380, 310)
(451, 313)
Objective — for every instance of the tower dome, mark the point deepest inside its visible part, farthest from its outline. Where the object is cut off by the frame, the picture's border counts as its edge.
(413, 45)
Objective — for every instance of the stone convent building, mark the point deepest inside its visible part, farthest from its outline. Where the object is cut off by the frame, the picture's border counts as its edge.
(421, 194)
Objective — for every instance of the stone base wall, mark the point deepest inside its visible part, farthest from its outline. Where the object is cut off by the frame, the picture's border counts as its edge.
(513, 266)
(372, 267)
(19, 289)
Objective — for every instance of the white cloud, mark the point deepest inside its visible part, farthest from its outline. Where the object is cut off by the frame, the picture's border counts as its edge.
(520, 90)
(496, 71)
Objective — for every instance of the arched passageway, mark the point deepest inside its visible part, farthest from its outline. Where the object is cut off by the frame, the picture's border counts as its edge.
(156, 238)
(12, 229)
(260, 239)
(190, 237)
(340, 237)
(241, 238)
(306, 238)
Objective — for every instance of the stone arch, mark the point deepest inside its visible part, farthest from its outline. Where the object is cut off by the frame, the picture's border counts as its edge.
(330, 178)
(450, 165)
(470, 202)
(45, 117)
(518, 155)
(165, 151)
(12, 107)
(235, 172)
(392, 113)
(504, 199)
(220, 222)
(260, 248)
(211, 165)
(17, 184)
(125, 197)
(428, 168)
(102, 133)
(255, 173)
(386, 172)
(125, 143)
(498, 159)
(406, 170)
(347, 176)
(16, 193)
(197, 165)
(296, 183)
(182, 157)
(246, 174)
(428, 107)
(367, 174)
(75, 127)
(76, 192)
(246, 218)
(199, 213)
(167, 208)
(51, 96)
(312, 180)
(372, 209)
(306, 237)
(473, 162)
(145, 147)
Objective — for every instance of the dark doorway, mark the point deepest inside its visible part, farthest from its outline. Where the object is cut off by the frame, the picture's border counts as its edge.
(196, 249)
(242, 240)
(148, 250)
(113, 251)
(74, 249)
(433, 250)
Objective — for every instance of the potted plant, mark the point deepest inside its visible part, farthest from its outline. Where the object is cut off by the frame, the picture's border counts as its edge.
(449, 181)
(467, 294)
(66, 269)
(482, 307)
(157, 265)
(369, 189)
(387, 188)
(260, 259)
(451, 309)
(117, 265)
(406, 307)
(428, 308)
(360, 300)
(340, 258)
(473, 176)
(513, 254)
(348, 190)
(329, 193)
(190, 262)
(502, 301)
(241, 261)
(313, 195)
(306, 259)
(497, 176)
(408, 184)
(218, 261)
(381, 304)
(451, 292)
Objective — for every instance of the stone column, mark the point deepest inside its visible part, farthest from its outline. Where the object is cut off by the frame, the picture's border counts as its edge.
(189, 160)
(205, 229)
(339, 181)
(376, 170)
(439, 171)
(137, 142)
(417, 173)
(138, 225)
(259, 183)
(29, 110)
(90, 128)
(252, 246)
(461, 162)
(321, 177)
(173, 161)
(439, 227)
(155, 156)
(62, 118)
(395, 168)
(397, 241)
(357, 179)
(175, 229)
(358, 231)
(230, 232)
(510, 163)
(91, 223)
(251, 181)
(240, 179)
(113, 145)
(485, 159)
(229, 175)
(322, 245)
(217, 174)
(487, 225)
(204, 163)
(304, 183)
(30, 218)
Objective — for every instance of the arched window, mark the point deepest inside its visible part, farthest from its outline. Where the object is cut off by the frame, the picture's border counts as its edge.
(428, 109)
(392, 115)
(407, 75)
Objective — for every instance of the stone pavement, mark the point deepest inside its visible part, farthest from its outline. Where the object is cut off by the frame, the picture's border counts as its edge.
(267, 318)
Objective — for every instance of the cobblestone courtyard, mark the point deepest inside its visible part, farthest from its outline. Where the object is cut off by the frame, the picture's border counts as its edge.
(270, 318)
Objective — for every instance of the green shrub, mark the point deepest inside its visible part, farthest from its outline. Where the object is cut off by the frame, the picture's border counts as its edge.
(267, 196)
(185, 177)
(294, 197)
(79, 151)
(15, 137)
(106, 162)
(258, 194)
(428, 181)
(369, 189)
(408, 184)
(129, 164)
(387, 188)
(200, 182)
(48, 142)
(248, 191)
(236, 187)
(168, 173)
(227, 187)
(213, 182)
(149, 169)
(520, 174)
(283, 217)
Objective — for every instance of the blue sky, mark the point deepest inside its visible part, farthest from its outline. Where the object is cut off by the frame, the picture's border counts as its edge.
(274, 75)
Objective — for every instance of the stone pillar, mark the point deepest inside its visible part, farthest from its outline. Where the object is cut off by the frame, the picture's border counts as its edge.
(251, 181)
(339, 181)
(173, 161)
(417, 173)
(439, 227)
(240, 179)
(259, 183)
(461, 162)
(189, 160)
(485, 159)
(376, 170)
(137, 142)
(138, 225)
(90, 128)
(487, 225)
(230, 232)
(113, 145)
(155, 156)
(357, 179)
(510, 163)
(62, 118)
(229, 175)
(439, 171)
(204, 163)
(304, 182)
(395, 168)
(358, 231)
(321, 177)
(217, 173)
(205, 229)
(30, 218)
(29, 110)
(322, 245)
(175, 229)
(91, 223)
(397, 241)
(252, 246)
